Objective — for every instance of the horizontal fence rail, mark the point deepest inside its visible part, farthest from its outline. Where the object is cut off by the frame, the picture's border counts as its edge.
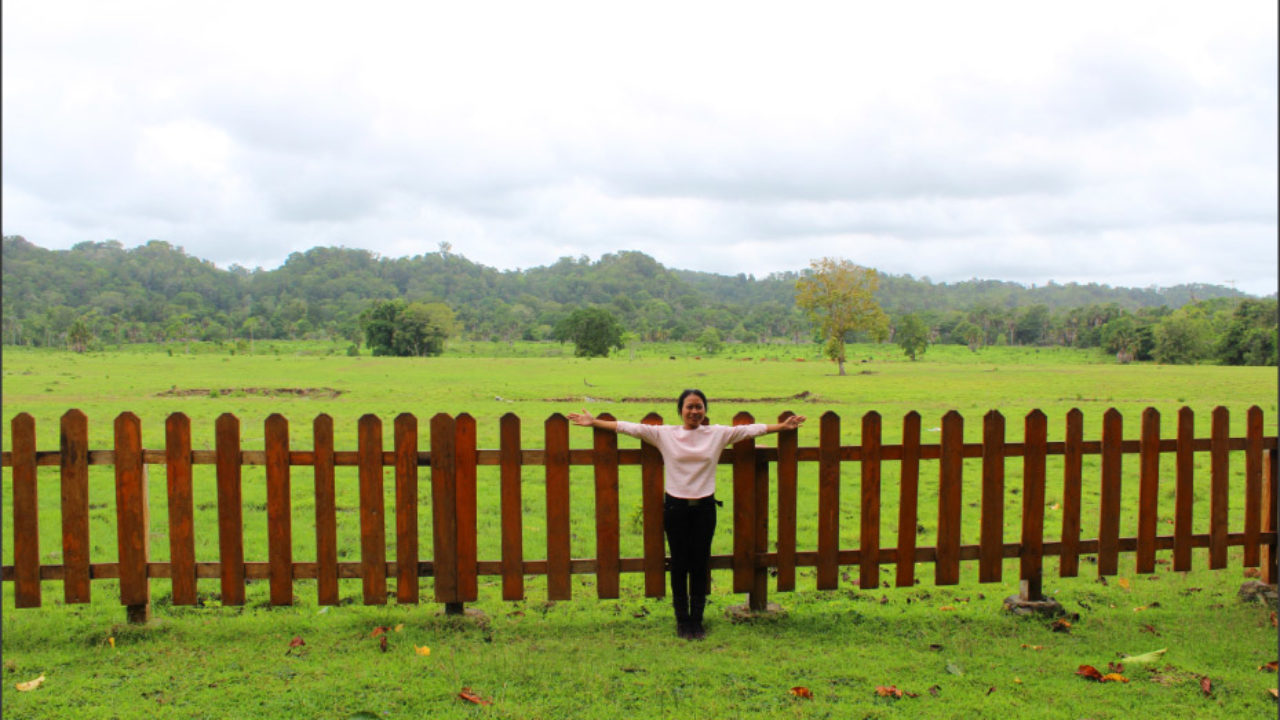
(452, 456)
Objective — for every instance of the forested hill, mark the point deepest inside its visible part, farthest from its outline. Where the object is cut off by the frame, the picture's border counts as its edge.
(157, 291)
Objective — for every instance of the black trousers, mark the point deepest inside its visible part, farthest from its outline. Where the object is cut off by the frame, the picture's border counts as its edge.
(689, 530)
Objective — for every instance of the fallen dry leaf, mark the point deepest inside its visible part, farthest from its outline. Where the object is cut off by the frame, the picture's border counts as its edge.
(1252, 573)
(1089, 672)
(424, 650)
(802, 692)
(382, 643)
(1032, 647)
(1274, 693)
(1273, 619)
(399, 627)
(112, 641)
(1270, 667)
(471, 697)
(1060, 626)
(1115, 667)
(1140, 608)
(947, 608)
(1123, 582)
(1206, 686)
(1114, 677)
(934, 690)
(30, 684)
(991, 689)
(381, 629)
(297, 641)
(892, 691)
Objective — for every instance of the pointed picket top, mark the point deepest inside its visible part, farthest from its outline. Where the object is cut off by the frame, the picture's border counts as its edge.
(743, 417)
(1037, 415)
(227, 421)
(508, 417)
(871, 416)
(1112, 415)
(78, 415)
(652, 418)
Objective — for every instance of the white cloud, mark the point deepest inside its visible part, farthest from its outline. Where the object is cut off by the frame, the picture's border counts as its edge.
(1118, 143)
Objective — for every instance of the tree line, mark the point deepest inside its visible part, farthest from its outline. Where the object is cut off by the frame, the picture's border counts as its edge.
(99, 294)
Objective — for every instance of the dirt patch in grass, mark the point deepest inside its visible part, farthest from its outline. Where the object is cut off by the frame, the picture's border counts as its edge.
(261, 391)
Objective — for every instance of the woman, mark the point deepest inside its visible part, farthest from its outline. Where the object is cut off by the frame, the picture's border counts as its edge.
(690, 452)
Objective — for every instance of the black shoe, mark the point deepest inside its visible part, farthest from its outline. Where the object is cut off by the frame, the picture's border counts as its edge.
(697, 632)
(684, 630)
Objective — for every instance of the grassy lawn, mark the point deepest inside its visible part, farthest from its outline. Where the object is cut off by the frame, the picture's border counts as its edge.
(954, 647)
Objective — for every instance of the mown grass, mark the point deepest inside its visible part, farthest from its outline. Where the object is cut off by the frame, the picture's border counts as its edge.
(592, 658)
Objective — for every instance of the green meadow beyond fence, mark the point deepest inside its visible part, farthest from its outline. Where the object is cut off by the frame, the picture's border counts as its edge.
(765, 487)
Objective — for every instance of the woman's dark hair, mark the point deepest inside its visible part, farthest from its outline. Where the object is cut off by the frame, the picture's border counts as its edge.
(680, 402)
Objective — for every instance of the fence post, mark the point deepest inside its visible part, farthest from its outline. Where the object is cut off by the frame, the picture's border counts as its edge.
(444, 516)
(744, 469)
(828, 570)
(279, 511)
(652, 478)
(991, 538)
(1034, 438)
(787, 487)
(758, 599)
(1269, 491)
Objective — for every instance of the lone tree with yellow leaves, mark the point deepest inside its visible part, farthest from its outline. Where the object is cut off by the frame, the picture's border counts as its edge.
(839, 297)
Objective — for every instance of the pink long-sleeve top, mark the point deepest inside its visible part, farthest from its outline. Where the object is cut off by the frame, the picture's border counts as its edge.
(690, 456)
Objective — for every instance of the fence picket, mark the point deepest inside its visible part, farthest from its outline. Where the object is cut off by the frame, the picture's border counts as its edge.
(279, 512)
(230, 509)
(1109, 510)
(946, 569)
(744, 508)
(559, 586)
(132, 518)
(373, 528)
(908, 500)
(991, 539)
(1035, 436)
(74, 443)
(26, 528)
(465, 497)
(326, 512)
(651, 479)
(444, 508)
(512, 510)
(1185, 463)
(869, 528)
(1219, 498)
(405, 430)
(1072, 463)
(605, 445)
(182, 547)
(788, 441)
(1148, 492)
(828, 501)
(1252, 486)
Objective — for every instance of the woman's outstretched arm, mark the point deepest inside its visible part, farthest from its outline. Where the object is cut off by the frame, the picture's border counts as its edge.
(585, 419)
(790, 423)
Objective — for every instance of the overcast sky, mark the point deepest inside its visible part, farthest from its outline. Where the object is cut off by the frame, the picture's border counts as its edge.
(1127, 143)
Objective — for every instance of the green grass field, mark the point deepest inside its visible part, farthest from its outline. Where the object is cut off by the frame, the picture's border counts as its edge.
(591, 658)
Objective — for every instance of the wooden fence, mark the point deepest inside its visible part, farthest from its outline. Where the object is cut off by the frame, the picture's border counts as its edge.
(453, 459)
